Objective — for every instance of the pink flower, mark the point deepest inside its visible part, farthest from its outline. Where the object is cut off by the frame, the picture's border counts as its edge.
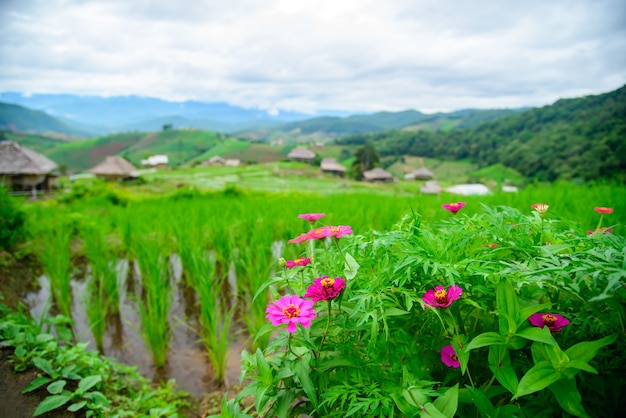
(603, 211)
(439, 297)
(298, 262)
(311, 217)
(541, 208)
(329, 231)
(325, 288)
(454, 207)
(491, 246)
(299, 239)
(554, 322)
(449, 357)
(600, 230)
(291, 310)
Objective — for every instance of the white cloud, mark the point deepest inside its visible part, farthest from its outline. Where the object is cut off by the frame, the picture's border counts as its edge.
(291, 55)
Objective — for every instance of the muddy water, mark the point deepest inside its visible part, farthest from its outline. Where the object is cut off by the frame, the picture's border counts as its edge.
(187, 362)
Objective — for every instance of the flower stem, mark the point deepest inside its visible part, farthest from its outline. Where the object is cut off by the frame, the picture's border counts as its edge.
(600, 222)
(329, 301)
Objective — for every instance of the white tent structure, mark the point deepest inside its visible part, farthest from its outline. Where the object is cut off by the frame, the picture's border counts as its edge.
(469, 189)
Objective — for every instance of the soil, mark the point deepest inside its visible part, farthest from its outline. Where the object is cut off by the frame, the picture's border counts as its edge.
(14, 404)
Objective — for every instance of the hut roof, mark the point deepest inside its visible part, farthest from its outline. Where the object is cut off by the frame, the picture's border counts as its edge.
(430, 187)
(469, 189)
(113, 166)
(16, 159)
(421, 173)
(331, 164)
(377, 174)
(301, 154)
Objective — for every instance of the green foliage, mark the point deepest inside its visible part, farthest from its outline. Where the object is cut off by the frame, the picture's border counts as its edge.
(365, 158)
(376, 350)
(15, 117)
(12, 219)
(77, 379)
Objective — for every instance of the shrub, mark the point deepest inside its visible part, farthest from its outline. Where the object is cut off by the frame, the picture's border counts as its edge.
(11, 220)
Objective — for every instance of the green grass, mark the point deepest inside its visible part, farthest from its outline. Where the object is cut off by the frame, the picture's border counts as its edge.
(498, 173)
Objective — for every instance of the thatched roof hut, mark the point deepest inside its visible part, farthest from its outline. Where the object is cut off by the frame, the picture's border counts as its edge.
(114, 167)
(330, 165)
(304, 155)
(420, 174)
(430, 187)
(25, 169)
(377, 175)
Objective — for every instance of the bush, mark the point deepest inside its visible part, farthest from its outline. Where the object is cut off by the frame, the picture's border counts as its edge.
(11, 220)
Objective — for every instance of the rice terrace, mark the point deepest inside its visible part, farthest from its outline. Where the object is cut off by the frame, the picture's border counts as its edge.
(432, 269)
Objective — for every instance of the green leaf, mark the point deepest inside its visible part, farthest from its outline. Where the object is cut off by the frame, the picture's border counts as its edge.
(56, 387)
(506, 302)
(568, 397)
(585, 351)
(540, 376)
(351, 267)
(459, 343)
(304, 376)
(580, 365)
(266, 284)
(76, 406)
(88, 382)
(43, 365)
(431, 411)
(485, 339)
(542, 335)
(448, 403)
(37, 383)
(500, 366)
(483, 404)
(50, 403)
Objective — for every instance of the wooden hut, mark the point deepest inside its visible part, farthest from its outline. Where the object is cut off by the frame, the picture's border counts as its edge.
(114, 168)
(330, 165)
(420, 174)
(377, 175)
(24, 169)
(301, 154)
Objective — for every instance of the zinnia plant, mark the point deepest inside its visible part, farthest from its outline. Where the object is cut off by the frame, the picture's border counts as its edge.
(541, 208)
(291, 310)
(554, 322)
(454, 207)
(449, 357)
(603, 210)
(325, 288)
(439, 297)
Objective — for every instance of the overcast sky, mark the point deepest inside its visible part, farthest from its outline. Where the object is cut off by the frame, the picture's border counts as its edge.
(356, 55)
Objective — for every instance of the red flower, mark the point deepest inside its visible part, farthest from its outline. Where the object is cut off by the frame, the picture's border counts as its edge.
(554, 322)
(439, 297)
(298, 262)
(325, 288)
(449, 357)
(603, 211)
(454, 207)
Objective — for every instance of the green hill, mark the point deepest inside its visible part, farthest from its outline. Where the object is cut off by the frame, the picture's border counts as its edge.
(18, 118)
(582, 138)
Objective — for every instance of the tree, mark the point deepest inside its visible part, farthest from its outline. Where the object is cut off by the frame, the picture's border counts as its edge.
(365, 158)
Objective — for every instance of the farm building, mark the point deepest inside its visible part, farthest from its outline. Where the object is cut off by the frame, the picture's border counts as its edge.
(304, 155)
(155, 161)
(419, 174)
(330, 165)
(24, 169)
(469, 189)
(114, 168)
(430, 187)
(217, 160)
(377, 175)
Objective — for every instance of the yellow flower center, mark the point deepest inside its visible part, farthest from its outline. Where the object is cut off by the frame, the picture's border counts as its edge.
(454, 357)
(291, 312)
(549, 319)
(335, 229)
(298, 260)
(441, 295)
(327, 283)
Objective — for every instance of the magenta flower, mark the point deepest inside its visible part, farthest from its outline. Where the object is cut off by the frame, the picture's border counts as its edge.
(454, 207)
(311, 217)
(603, 211)
(325, 288)
(298, 262)
(300, 238)
(554, 322)
(291, 310)
(439, 297)
(329, 231)
(601, 230)
(449, 357)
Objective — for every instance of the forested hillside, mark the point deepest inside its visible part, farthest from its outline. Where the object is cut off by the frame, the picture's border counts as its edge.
(18, 118)
(583, 138)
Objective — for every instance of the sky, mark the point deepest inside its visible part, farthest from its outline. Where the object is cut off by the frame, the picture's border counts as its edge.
(311, 56)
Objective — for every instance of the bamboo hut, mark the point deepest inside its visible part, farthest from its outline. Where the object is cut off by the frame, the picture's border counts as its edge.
(114, 168)
(420, 174)
(301, 154)
(24, 169)
(377, 175)
(330, 165)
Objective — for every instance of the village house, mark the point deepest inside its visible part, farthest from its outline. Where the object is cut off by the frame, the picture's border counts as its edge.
(300, 154)
(114, 168)
(330, 165)
(420, 174)
(23, 169)
(377, 175)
